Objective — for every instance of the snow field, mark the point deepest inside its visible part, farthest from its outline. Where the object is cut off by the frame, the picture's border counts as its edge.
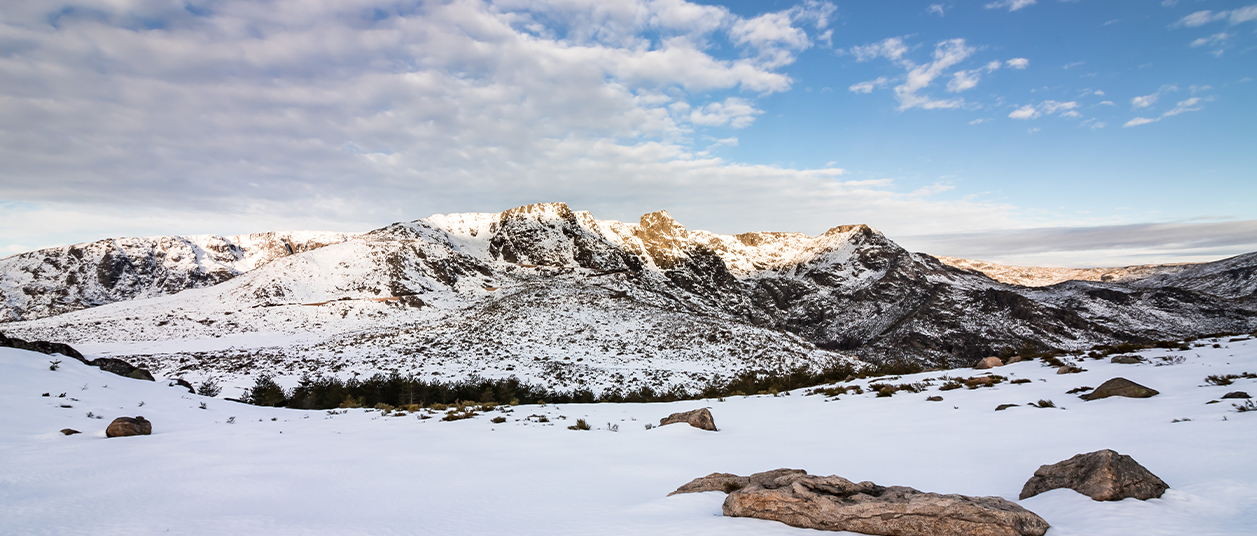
(309, 472)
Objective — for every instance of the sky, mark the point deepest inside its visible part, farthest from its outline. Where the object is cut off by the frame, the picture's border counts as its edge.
(1035, 132)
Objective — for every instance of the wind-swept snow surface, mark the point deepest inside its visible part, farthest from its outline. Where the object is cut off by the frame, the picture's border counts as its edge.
(237, 469)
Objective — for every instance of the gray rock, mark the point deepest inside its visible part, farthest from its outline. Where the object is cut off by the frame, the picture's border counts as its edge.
(126, 426)
(836, 504)
(934, 398)
(1103, 475)
(729, 482)
(1120, 387)
(699, 418)
(1127, 360)
(988, 362)
(1236, 394)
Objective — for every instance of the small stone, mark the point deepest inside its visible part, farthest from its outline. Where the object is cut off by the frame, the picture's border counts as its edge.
(934, 399)
(70, 431)
(1120, 387)
(699, 418)
(1003, 407)
(1236, 394)
(127, 426)
(1068, 369)
(988, 362)
(1103, 475)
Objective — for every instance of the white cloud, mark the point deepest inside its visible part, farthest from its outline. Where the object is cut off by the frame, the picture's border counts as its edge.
(734, 111)
(936, 9)
(1048, 107)
(869, 86)
(892, 49)
(1012, 5)
(962, 80)
(1244, 14)
(1099, 92)
(1146, 101)
(1215, 39)
(1169, 3)
(1018, 63)
(1140, 121)
(978, 121)
(1201, 18)
(1189, 105)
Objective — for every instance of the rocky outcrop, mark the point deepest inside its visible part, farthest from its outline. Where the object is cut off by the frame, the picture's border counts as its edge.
(1103, 475)
(127, 426)
(698, 418)
(1120, 387)
(107, 364)
(729, 482)
(834, 503)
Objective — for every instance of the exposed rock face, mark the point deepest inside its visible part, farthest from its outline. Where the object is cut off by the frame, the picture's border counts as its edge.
(988, 362)
(1120, 387)
(107, 364)
(836, 504)
(1236, 394)
(127, 426)
(1103, 475)
(729, 482)
(698, 418)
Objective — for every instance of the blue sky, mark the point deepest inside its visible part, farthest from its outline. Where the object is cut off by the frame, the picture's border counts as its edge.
(1051, 132)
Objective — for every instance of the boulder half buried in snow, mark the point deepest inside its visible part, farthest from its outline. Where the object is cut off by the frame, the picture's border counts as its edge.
(837, 504)
(988, 362)
(729, 482)
(127, 426)
(699, 418)
(1120, 387)
(1103, 475)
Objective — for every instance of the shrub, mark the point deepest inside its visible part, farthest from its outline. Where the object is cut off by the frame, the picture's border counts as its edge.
(265, 392)
(1246, 407)
(580, 425)
(209, 389)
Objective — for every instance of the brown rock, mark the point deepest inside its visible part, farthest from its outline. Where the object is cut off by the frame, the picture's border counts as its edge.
(837, 504)
(980, 381)
(126, 426)
(988, 362)
(1120, 387)
(1127, 360)
(935, 398)
(729, 482)
(1003, 407)
(1013, 359)
(699, 418)
(70, 431)
(1068, 369)
(1103, 475)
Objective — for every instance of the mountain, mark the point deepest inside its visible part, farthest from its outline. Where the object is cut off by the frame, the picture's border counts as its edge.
(52, 281)
(558, 297)
(1037, 276)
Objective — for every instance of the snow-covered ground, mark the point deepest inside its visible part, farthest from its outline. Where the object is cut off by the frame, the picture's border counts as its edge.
(279, 471)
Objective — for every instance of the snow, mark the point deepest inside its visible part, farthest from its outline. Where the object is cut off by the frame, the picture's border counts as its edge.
(1041, 276)
(283, 471)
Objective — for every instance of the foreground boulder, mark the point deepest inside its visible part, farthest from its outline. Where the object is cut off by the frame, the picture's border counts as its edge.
(1103, 475)
(126, 426)
(834, 503)
(1120, 387)
(729, 482)
(989, 362)
(699, 418)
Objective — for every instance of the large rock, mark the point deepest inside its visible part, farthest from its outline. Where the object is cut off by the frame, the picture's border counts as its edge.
(1127, 360)
(699, 418)
(989, 362)
(1236, 394)
(126, 426)
(729, 482)
(1120, 387)
(837, 504)
(1103, 475)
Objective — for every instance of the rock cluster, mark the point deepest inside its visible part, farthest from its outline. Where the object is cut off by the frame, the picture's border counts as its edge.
(1103, 475)
(699, 418)
(127, 426)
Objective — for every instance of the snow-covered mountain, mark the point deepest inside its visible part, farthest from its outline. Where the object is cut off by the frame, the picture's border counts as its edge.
(1040, 276)
(558, 297)
(57, 280)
